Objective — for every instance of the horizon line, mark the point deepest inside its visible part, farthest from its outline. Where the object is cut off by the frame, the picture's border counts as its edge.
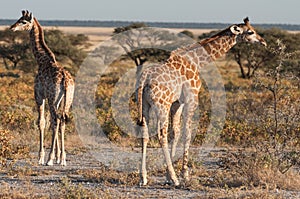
(141, 21)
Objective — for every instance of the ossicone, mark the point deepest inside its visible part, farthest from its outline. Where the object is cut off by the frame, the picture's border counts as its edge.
(26, 13)
(246, 20)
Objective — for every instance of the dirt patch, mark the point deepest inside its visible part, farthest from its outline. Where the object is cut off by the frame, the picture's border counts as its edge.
(86, 177)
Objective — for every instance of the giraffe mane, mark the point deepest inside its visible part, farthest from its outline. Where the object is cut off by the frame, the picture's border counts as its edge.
(214, 37)
(202, 42)
(42, 39)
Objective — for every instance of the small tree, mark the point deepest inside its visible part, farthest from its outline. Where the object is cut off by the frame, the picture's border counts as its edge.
(187, 33)
(130, 43)
(250, 59)
(16, 52)
(134, 36)
(67, 48)
(14, 48)
(282, 120)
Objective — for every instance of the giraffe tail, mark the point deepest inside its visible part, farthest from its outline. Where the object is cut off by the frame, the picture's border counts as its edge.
(140, 87)
(68, 98)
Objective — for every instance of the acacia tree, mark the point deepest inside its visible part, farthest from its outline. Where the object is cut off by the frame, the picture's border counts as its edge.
(16, 53)
(250, 59)
(13, 48)
(130, 40)
(135, 35)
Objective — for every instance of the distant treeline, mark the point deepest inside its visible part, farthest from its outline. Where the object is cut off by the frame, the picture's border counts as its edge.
(151, 24)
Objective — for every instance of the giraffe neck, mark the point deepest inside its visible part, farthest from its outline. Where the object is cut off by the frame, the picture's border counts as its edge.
(41, 51)
(218, 46)
(206, 51)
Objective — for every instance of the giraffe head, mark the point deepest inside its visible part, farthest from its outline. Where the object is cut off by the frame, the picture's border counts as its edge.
(25, 23)
(246, 32)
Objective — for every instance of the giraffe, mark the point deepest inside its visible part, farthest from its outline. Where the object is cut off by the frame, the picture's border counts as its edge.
(172, 89)
(52, 83)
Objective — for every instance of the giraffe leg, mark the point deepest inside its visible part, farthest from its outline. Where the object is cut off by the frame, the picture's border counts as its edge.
(55, 127)
(163, 139)
(41, 125)
(176, 111)
(187, 119)
(62, 134)
(67, 101)
(145, 139)
(58, 152)
(143, 128)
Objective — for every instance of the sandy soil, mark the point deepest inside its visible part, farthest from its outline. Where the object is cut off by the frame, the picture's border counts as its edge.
(86, 177)
(45, 181)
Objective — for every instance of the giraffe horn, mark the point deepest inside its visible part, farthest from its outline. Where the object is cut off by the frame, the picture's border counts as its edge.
(23, 12)
(246, 20)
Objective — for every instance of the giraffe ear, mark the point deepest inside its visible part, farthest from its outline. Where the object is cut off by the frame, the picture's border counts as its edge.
(236, 30)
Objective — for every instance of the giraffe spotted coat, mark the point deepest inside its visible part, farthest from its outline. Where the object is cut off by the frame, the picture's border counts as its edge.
(53, 84)
(173, 87)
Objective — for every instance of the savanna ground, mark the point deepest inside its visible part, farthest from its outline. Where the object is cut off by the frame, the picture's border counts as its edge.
(250, 160)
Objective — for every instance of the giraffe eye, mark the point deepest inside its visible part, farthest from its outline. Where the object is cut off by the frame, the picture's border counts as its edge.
(250, 32)
(23, 22)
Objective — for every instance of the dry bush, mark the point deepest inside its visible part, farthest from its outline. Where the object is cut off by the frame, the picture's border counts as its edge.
(266, 119)
(10, 151)
(5, 146)
(10, 192)
(258, 169)
(108, 176)
(69, 190)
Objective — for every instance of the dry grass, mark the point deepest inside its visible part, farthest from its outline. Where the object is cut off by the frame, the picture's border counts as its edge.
(237, 174)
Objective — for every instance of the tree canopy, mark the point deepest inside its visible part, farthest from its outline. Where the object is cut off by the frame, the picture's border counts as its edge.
(16, 53)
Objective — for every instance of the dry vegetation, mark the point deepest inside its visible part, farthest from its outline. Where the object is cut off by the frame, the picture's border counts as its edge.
(257, 155)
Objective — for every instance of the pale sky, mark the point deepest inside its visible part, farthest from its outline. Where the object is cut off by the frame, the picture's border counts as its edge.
(223, 11)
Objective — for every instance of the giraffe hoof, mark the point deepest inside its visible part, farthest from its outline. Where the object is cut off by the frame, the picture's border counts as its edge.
(41, 162)
(143, 183)
(50, 163)
(63, 163)
(173, 182)
(170, 182)
(41, 158)
(176, 184)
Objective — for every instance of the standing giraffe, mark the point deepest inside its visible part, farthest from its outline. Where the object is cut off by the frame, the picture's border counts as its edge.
(173, 87)
(52, 83)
